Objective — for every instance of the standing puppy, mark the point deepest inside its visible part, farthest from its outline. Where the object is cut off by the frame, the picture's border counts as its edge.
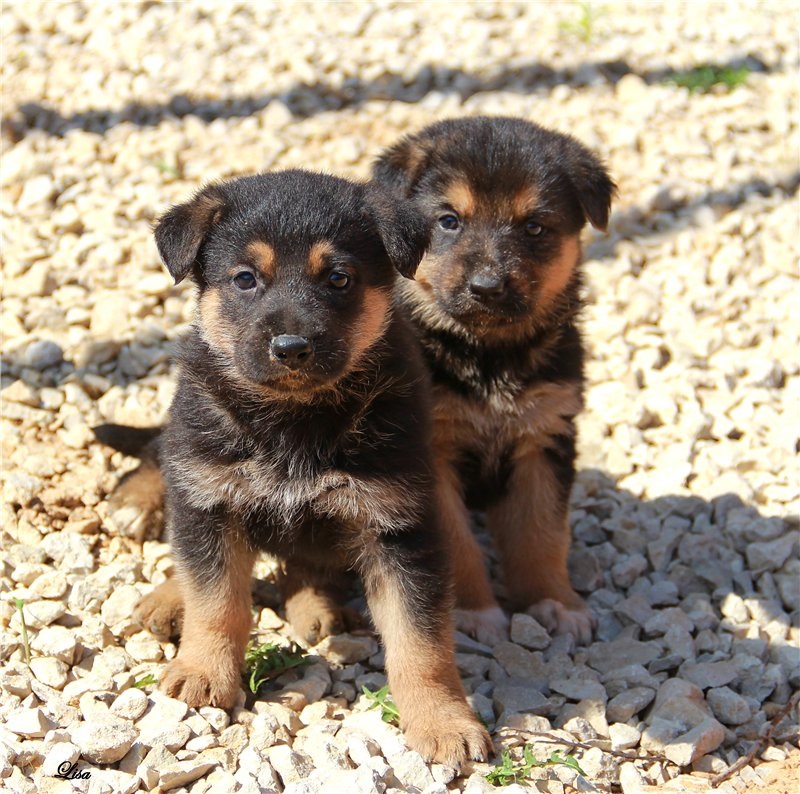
(300, 427)
(495, 305)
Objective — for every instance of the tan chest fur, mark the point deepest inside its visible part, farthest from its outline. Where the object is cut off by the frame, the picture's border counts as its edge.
(492, 426)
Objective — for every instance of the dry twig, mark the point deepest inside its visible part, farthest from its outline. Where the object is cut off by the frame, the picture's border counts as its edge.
(746, 760)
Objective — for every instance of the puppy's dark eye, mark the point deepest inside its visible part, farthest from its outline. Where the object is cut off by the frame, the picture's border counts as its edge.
(244, 280)
(533, 229)
(449, 222)
(339, 280)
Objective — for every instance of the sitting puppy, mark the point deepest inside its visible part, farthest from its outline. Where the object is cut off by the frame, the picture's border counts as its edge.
(300, 427)
(495, 305)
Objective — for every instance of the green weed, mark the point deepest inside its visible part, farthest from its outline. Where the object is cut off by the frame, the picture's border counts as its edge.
(166, 168)
(269, 660)
(510, 771)
(584, 27)
(703, 78)
(145, 680)
(383, 699)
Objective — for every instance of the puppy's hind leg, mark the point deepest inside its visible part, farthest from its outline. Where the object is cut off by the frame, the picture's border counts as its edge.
(314, 601)
(161, 612)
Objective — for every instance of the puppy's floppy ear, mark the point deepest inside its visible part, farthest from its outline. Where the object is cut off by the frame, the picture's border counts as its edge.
(404, 230)
(181, 231)
(399, 166)
(593, 184)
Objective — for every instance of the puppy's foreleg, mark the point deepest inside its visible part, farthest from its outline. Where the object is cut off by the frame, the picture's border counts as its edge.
(409, 598)
(214, 566)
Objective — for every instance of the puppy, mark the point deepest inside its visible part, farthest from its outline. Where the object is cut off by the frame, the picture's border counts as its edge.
(300, 427)
(495, 305)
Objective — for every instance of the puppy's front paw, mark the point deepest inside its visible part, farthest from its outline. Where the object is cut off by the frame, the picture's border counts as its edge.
(489, 626)
(161, 612)
(558, 618)
(450, 739)
(200, 685)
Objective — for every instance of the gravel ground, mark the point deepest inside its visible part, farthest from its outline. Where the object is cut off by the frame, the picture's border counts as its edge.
(685, 512)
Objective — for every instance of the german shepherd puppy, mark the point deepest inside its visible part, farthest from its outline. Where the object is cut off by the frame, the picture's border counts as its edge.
(495, 305)
(300, 427)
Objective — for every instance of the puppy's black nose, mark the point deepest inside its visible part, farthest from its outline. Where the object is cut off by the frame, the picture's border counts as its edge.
(485, 285)
(292, 351)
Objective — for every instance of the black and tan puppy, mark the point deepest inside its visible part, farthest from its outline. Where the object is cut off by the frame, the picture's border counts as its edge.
(495, 305)
(300, 427)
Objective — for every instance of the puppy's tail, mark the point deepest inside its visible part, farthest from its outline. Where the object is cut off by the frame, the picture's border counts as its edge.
(139, 442)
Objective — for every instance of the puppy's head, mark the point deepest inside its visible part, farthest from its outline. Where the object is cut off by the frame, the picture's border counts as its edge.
(295, 272)
(507, 200)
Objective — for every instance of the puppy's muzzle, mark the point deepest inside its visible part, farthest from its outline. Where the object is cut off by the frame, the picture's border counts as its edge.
(294, 352)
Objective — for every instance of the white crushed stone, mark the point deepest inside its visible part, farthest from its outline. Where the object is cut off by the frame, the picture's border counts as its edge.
(684, 513)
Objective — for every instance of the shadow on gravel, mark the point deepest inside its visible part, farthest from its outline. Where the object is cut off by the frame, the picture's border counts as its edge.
(682, 586)
(304, 100)
(669, 214)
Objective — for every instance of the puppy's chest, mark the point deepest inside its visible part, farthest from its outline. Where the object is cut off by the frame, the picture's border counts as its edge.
(494, 427)
(286, 489)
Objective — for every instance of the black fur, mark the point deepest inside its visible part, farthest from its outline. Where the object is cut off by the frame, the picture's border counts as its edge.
(240, 446)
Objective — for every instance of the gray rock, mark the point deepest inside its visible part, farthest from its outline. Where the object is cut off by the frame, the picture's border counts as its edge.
(709, 674)
(518, 662)
(347, 648)
(29, 722)
(622, 736)
(358, 781)
(290, 765)
(163, 710)
(728, 707)
(56, 641)
(528, 632)
(411, 770)
(183, 772)
(665, 619)
(42, 354)
(680, 723)
(629, 703)
(58, 754)
(770, 555)
(629, 569)
(130, 705)
(106, 740)
(622, 652)
(579, 688)
(517, 694)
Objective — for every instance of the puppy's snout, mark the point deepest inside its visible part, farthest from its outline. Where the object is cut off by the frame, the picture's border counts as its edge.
(292, 351)
(487, 286)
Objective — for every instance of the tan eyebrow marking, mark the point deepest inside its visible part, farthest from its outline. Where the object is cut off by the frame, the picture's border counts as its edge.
(524, 202)
(317, 257)
(460, 197)
(263, 256)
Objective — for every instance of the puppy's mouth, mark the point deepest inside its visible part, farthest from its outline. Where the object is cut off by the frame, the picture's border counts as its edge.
(476, 313)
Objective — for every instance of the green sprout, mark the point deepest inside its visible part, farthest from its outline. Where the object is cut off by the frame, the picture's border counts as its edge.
(510, 771)
(20, 603)
(703, 78)
(383, 699)
(146, 680)
(269, 660)
(163, 167)
(584, 26)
